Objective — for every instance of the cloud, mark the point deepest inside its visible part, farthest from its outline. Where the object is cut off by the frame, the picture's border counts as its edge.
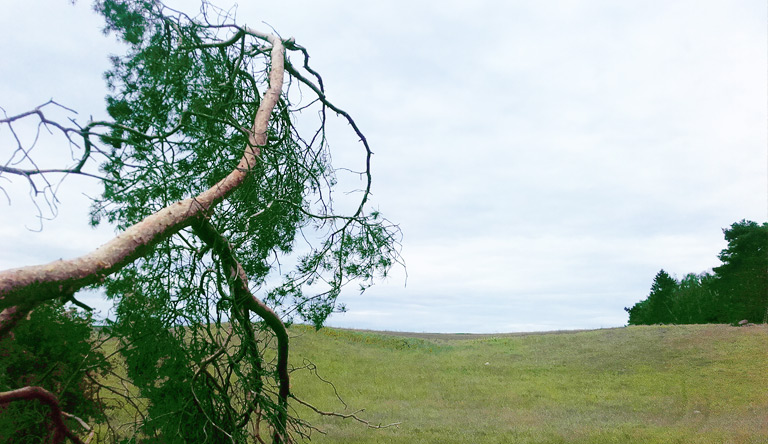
(544, 159)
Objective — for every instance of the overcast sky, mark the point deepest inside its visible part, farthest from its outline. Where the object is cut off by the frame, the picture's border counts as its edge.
(544, 159)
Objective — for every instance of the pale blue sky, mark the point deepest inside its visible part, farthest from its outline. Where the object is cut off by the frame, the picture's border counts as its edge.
(544, 159)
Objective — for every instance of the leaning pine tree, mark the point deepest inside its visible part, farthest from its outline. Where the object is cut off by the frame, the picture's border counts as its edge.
(211, 187)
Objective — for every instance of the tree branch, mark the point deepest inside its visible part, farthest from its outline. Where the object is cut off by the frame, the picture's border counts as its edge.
(352, 415)
(324, 100)
(48, 398)
(23, 288)
(219, 244)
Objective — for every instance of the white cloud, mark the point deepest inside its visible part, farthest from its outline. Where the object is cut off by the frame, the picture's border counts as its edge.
(544, 159)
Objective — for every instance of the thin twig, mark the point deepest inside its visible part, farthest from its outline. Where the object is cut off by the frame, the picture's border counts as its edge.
(352, 415)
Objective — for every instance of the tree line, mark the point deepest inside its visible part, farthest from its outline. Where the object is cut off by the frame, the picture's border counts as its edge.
(735, 291)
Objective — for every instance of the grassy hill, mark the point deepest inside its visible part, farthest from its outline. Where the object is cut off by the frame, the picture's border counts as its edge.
(654, 384)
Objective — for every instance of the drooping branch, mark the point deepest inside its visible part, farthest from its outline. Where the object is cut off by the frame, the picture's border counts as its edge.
(30, 393)
(219, 244)
(23, 288)
(320, 92)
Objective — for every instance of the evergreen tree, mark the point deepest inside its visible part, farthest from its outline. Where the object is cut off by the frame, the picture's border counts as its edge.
(696, 302)
(661, 298)
(737, 290)
(638, 313)
(658, 307)
(742, 280)
(228, 228)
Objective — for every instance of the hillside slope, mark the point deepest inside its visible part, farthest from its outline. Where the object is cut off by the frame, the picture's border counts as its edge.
(655, 384)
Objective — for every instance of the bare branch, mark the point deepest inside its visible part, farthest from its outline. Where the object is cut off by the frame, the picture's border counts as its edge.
(352, 415)
(84, 425)
(321, 95)
(31, 172)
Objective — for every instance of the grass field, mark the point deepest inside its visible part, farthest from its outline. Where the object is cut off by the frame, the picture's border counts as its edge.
(656, 384)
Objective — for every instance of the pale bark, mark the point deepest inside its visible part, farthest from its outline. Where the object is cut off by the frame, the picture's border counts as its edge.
(21, 289)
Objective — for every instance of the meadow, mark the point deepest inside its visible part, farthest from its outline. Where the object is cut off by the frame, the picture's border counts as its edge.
(645, 384)
(641, 384)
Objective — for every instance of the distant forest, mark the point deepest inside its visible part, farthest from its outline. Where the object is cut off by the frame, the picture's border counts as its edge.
(735, 291)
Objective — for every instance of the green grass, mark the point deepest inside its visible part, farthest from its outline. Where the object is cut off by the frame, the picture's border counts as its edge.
(659, 384)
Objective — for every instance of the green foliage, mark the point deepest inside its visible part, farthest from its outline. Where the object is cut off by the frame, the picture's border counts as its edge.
(53, 350)
(742, 280)
(696, 302)
(639, 314)
(660, 299)
(182, 101)
(158, 363)
(179, 110)
(658, 307)
(737, 290)
(125, 18)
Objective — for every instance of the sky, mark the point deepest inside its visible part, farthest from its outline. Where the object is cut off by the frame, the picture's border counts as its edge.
(544, 160)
